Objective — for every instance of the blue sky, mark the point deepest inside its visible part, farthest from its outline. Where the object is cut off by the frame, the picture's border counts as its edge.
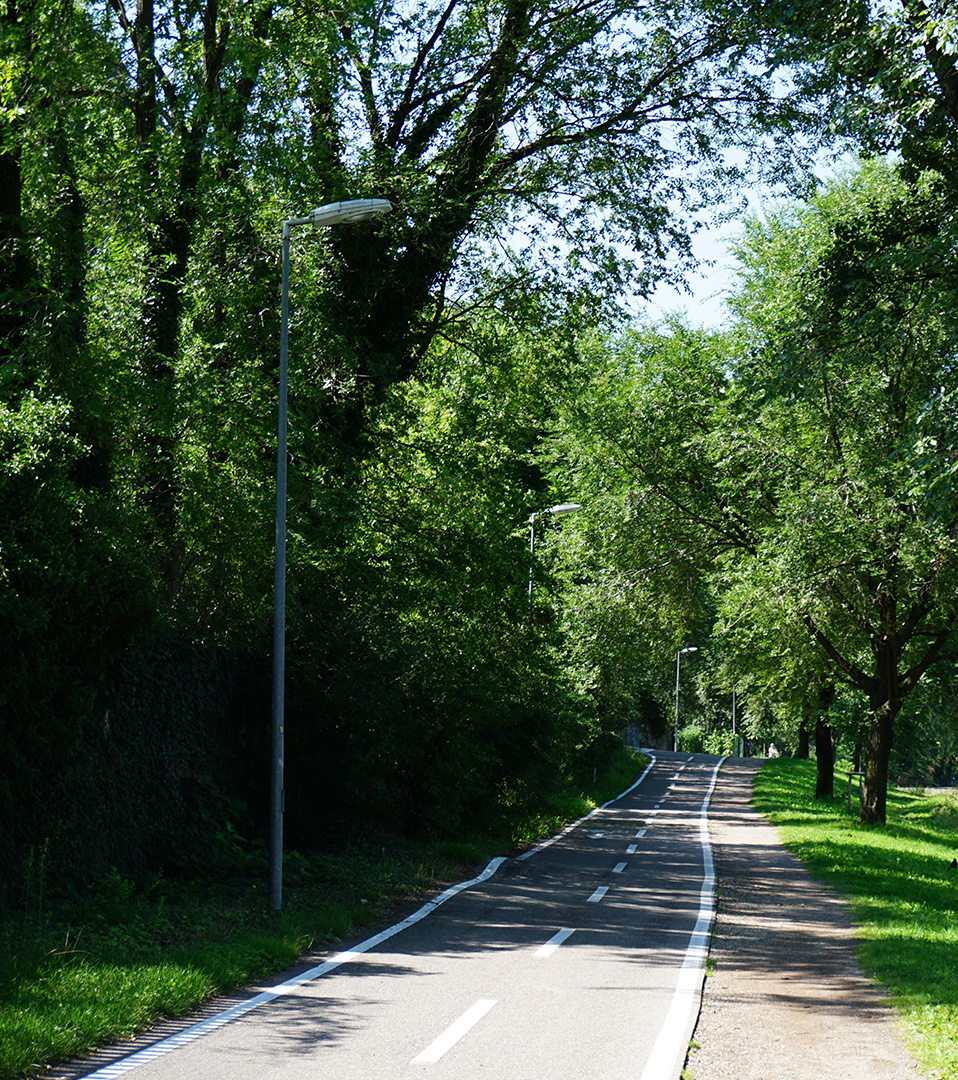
(703, 305)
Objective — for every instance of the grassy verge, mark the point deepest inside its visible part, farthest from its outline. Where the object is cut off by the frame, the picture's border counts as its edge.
(89, 968)
(901, 887)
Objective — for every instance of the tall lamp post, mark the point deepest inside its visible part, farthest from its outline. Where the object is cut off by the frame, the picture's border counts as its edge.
(555, 511)
(678, 660)
(338, 213)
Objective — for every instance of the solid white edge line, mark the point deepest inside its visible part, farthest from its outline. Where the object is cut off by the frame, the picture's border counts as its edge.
(204, 1027)
(671, 1045)
(553, 943)
(575, 824)
(211, 1023)
(448, 1039)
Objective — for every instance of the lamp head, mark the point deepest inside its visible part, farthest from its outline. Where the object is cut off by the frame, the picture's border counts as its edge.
(339, 213)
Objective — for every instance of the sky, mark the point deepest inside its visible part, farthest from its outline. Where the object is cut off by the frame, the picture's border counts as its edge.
(703, 305)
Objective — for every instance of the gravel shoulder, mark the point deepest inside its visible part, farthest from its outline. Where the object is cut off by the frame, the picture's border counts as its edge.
(787, 999)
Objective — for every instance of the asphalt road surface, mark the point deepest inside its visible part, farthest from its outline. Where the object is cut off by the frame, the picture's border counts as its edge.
(581, 958)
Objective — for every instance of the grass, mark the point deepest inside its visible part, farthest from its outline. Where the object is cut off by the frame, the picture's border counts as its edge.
(90, 967)
(902, 890)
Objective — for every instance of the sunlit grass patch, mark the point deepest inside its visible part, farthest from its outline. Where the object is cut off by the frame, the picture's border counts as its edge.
(899, 882)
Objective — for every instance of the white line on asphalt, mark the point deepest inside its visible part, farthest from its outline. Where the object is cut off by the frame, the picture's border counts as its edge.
(455, 1032)
(598, 894)
(211, 1023)
(575, 824)
(671, 1045)
(640, 834)
(630, 850)
(553, 943)
(619, 867)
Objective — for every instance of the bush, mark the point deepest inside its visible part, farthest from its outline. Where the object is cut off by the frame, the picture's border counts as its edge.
(720, 742)
(691, 740)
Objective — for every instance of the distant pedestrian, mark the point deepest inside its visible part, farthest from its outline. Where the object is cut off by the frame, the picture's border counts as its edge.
(772, 750)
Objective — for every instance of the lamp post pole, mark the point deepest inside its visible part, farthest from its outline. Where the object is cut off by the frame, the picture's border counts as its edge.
(555, 511)
(678, 660)
(330, 214)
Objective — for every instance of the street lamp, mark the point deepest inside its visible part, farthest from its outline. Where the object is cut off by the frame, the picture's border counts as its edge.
(555, 511)
(678, 660)
(338, 213)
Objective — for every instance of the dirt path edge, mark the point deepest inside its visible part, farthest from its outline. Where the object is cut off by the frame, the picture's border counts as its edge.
(786, 998)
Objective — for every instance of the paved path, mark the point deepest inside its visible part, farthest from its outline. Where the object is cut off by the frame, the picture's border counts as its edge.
(584, 958)
(539, 974)
(788, 999)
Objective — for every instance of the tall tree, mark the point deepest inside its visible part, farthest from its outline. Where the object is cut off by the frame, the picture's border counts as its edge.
(807, 471)
(477, 121)
(861, 358)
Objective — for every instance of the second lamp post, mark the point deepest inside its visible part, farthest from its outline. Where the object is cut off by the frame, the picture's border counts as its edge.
(678, 658)
(555, 511)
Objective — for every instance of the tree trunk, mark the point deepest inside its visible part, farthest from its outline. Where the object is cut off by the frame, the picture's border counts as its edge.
(884, 697)
(824, 759)
(824, 745)
(802, 750)
(878, 744)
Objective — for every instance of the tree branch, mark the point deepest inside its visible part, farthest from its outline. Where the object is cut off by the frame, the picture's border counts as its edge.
(364, 72)
(404, 108)
(855, 675)
(910, 678)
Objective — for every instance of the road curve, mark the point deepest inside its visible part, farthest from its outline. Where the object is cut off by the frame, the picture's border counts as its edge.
(582, 957)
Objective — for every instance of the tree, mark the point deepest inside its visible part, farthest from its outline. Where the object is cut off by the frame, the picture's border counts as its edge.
(185, 132)
(890, 70)
(861, 348)
(803, 467)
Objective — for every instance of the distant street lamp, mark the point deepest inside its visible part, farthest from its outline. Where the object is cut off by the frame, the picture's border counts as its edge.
(555, 511)
(678, 660)
(338, 213)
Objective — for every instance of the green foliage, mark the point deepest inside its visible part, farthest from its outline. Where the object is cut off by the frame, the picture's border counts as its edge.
(901, 889)
(886, 70)
(691, 740)
(780, 481)
(145, 168)
(720, 742)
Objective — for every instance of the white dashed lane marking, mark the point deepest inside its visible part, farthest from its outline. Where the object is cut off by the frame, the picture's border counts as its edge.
(448, 1039)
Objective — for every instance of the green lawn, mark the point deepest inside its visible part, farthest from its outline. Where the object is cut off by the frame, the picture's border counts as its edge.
(899, 882)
